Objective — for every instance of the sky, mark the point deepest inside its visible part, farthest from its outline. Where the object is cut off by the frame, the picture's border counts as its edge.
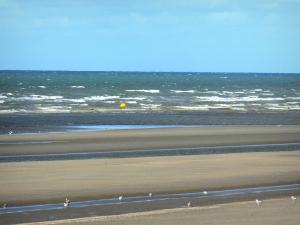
(152, 35)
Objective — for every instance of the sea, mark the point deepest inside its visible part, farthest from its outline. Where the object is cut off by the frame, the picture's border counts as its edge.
(83, 98)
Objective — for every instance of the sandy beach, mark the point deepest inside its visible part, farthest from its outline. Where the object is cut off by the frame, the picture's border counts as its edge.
(51, 181)
(273, 212)
(119, 140)
(39, 182)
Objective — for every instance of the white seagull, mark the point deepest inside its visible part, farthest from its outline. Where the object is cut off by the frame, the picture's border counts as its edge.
(293, 198)
(150, 194)
(189, 204)
(120, 198)
(10, 132)
(66, 203)
(258, 202)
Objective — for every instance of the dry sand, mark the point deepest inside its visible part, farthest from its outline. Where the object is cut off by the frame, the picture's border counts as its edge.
(51, 181)
(273, 212)
(147, 139)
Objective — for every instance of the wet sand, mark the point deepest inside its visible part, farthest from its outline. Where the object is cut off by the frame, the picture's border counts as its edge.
(273, 212)
(119, 140)
(52, 181)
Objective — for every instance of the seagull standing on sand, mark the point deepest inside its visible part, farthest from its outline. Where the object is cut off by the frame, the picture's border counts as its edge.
(120, 198)
(150, 194)
(258, 202)
(293, 198)
(189, 204)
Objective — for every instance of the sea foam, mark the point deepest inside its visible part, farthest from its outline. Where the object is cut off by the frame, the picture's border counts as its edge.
(145, 90)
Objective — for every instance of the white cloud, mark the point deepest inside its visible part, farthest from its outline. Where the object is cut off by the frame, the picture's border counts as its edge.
(226, 16)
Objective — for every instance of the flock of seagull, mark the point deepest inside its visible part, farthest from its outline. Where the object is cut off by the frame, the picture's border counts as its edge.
(188, 204)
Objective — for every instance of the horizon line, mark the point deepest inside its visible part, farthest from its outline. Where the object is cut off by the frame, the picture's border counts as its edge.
(147, 71)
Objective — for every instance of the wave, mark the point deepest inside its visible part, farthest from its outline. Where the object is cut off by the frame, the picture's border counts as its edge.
(79, 100)
(131, 102)
(54, 108)
(100, 98)
(293, 98)
(201, 108)
(38, 97)
(236, 99)
(8, 111)
(145, 90)
(134, 98)
(183, 91)
(2, 101)
(42, 87)
(150, 106)
(77, 86)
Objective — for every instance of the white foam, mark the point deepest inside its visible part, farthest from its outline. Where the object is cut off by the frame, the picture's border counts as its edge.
(183, 91)
(145, 90)
(293, 98)
(75, 104)
(2, 101)
(100, 98)
(77, 86)
(131, 102)
(6, 111)
(212, 92)
(9, 94)
(55, 108)
(38, 97)
(267, 94)
(42, 87)
(79, 100)
(292, 103)
(274, 106)
(150, 106)
(235, 99)
(3, 97)
(200, 108)
(134, 98)
(110, 102)
(294, 107)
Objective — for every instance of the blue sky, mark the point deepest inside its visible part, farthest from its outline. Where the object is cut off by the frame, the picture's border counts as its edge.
(152, 35)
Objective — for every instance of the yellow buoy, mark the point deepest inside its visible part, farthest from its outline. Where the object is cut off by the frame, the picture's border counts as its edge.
(122, 105)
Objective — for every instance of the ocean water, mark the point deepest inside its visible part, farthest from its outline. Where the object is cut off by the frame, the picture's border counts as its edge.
(70, 92)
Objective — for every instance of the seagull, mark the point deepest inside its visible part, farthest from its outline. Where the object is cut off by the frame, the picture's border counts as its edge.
(4, 206)
(120, 198)
(293, 198)
(189, 204)
(10, 132)
(205, 192)
(66, 203)
(258, 202)
(150, 194)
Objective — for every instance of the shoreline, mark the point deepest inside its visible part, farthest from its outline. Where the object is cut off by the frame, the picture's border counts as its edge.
(35, 123)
